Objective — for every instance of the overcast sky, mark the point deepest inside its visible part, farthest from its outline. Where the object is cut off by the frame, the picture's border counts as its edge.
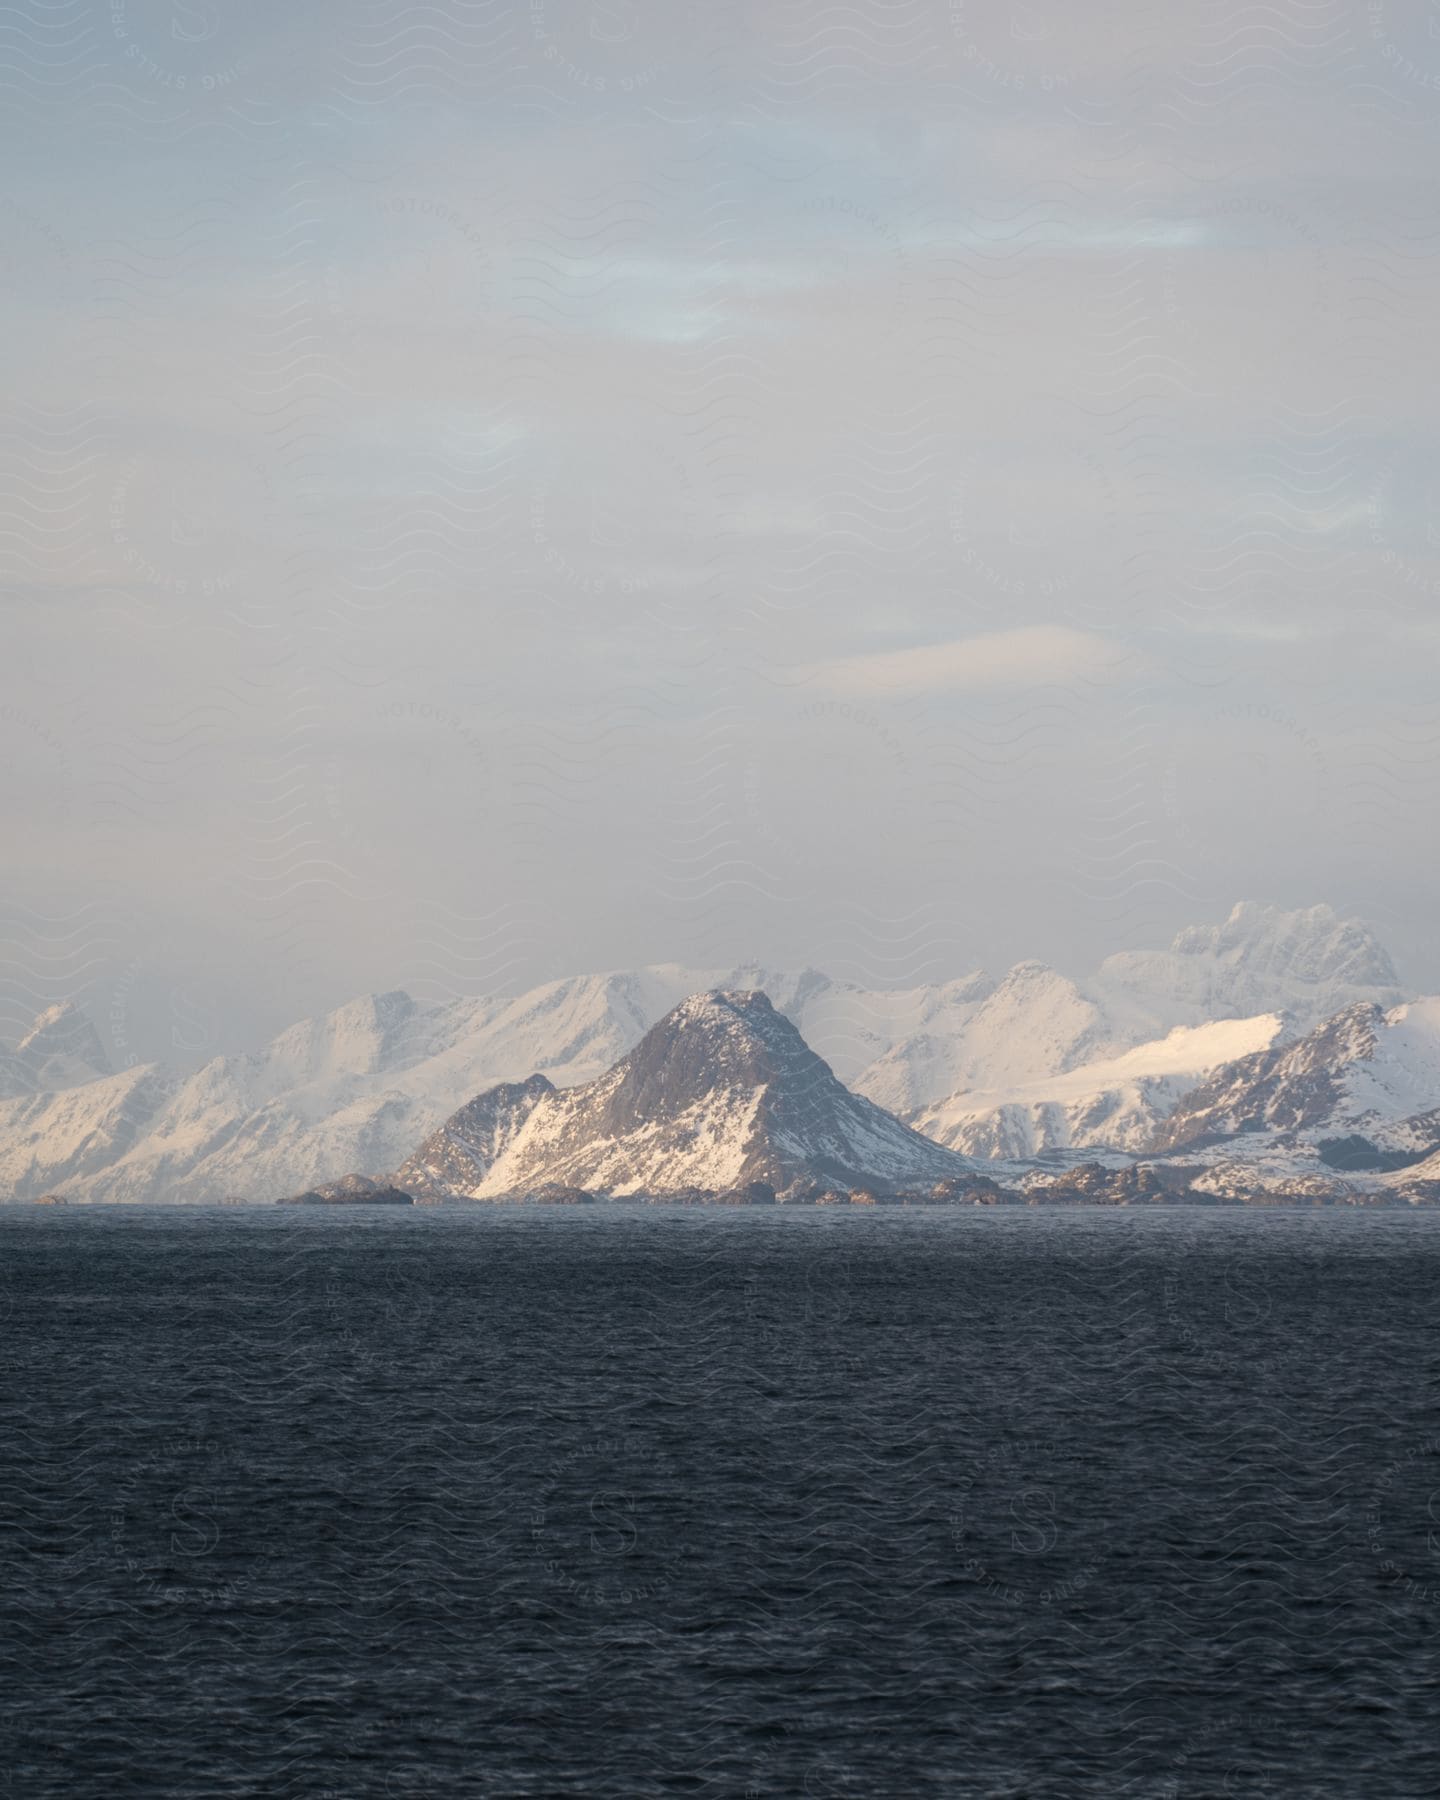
(504, 487)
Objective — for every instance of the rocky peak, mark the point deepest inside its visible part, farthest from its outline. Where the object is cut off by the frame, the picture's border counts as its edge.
(1286, 1088)
(61, 1050)
(721, 1094)
(1306, 964)
(737, 1021)
(1312, 944)
(727, 1040)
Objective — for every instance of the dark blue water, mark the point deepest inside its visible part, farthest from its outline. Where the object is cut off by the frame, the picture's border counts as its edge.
(634, 1502)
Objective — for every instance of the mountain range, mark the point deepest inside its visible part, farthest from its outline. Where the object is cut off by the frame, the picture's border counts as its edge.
(1359, 1095)
(1009, 1067)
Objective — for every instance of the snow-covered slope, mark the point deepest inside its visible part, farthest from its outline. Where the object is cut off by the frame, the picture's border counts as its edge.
(64, 1139)
(1032, 1024)
(1102, 1062)
(456, 1158)
(353, 1091)
(1307, 964)
(1115, 1103)
(1420, 1180)
(1370, 1073)
(1036, 1026)
(357, 1089)
(722, 1092)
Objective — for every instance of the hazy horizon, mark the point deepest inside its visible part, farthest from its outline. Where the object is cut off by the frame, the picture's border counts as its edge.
(141, 1021)
(494, 491)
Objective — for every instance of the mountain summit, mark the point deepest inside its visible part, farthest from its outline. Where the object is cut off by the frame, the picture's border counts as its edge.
(723, 1092)
(61, 1050)
(1307, 963)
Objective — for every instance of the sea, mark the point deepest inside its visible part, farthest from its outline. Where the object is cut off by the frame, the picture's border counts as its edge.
(636, 1500)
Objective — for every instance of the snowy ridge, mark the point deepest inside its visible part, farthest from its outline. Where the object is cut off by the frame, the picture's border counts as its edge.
(1116, 1103)
(1308, 964)
(1101, 1063)
(353, 1091)
(358, 1089)
(1369, 1072)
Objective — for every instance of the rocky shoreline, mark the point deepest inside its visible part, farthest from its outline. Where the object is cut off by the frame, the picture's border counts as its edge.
(1088, 1184)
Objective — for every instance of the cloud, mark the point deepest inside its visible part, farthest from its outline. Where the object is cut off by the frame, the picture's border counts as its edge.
(1033, 656)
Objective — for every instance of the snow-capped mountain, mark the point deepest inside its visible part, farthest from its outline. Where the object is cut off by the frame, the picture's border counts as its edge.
(723, 1092)
(1111, 1056)
(1370, 1076)
(1306, 964)
(62, 1049)
(353, 1090)
(358, 1088)
(73, 1140)
(1115, 1103)
(1032, 1023)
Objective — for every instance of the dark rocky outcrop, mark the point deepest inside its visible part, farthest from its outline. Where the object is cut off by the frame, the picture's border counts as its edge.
(350, 1190)
(752, 1193)
(556, 1193)
(1091, 1184)
(1356, 1155)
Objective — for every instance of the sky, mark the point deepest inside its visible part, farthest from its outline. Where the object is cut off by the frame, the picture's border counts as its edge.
(500, 488)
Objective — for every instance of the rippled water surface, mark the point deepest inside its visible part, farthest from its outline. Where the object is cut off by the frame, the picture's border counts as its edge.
(645, 1501)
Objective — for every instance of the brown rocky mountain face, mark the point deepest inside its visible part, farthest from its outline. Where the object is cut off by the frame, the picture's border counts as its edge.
(456, 1158)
